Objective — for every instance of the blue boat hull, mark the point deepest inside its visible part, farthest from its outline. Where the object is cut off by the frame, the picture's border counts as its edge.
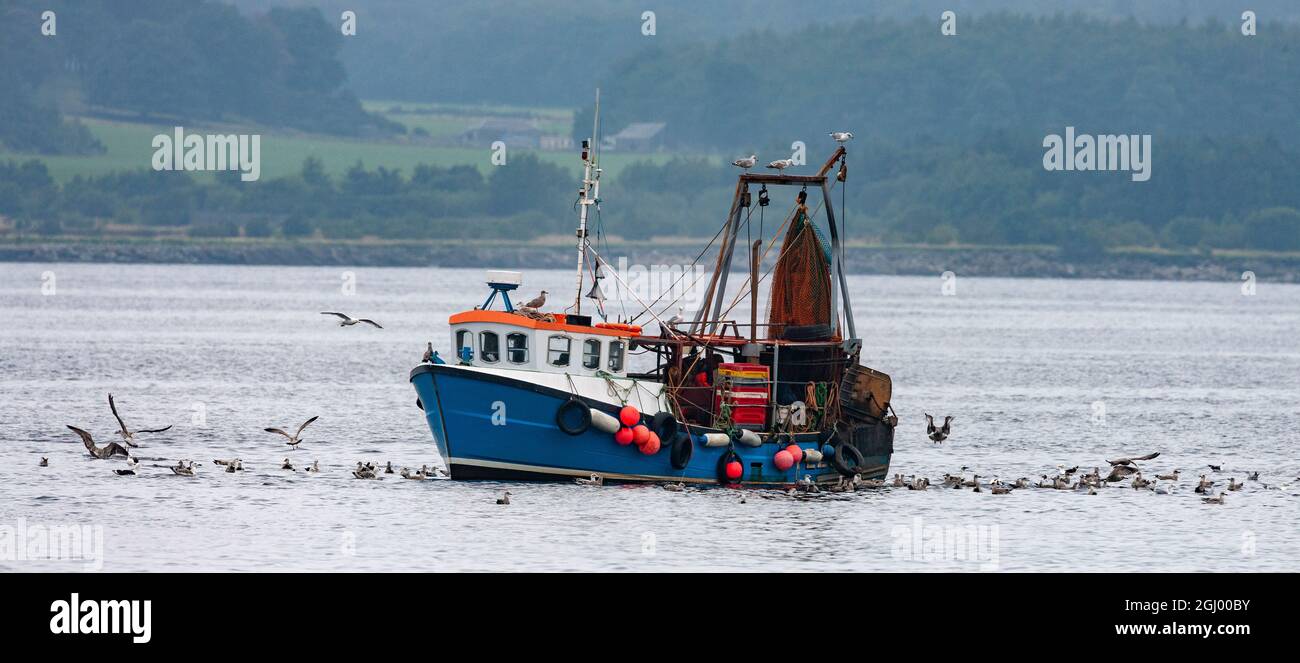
(489, 426)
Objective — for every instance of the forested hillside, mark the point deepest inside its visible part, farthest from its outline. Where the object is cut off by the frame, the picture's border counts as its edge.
(186, 61)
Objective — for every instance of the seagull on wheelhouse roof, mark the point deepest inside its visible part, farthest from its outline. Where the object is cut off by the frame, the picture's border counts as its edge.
(536, 302)
(348, 321)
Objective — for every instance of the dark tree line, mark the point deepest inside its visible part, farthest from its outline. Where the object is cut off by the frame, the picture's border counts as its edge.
(1202, 194)
(173, 60)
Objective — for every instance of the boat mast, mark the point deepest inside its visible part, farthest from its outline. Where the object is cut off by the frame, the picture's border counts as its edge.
(589, 195)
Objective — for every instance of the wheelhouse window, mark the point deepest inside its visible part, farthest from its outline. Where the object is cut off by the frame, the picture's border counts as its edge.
(463, 342)
(489, 345)
(615, 356)
(591, 354)
(557, 350)
(517, 348)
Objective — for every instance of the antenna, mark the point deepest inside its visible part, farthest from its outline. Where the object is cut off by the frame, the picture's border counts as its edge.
(589, 195)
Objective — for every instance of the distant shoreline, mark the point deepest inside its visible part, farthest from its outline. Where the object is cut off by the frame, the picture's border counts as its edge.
(1030, 262)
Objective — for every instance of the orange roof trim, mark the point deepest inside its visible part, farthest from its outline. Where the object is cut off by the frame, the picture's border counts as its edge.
(516, 320)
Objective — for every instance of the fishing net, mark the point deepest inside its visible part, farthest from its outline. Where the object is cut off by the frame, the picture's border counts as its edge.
(801, 282)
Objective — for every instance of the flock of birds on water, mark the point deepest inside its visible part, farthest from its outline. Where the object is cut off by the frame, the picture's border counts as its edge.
(1121, 469)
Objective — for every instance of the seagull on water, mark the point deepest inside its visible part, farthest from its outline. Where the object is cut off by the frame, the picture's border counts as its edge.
(842, 136)
(314, 467)
(183, 468)
(537, 302)
(781, 164)
(505, 498)
(348, 321)
(106, 451)
(127, 435)
(130, 469)
(595, 480)
(294, 440)
(746, 162)
(287, 466)
(45, 462)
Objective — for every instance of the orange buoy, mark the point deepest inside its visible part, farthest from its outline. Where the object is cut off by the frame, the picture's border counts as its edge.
(783, 460)
(796, 453)
(640, 434)
(651, 446)
(734, 470)
(623, 436)
(629, 416)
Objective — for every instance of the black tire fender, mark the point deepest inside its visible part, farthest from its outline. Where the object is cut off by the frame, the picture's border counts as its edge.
(846, 466)
(573, 417)
(664, 425)
(683, 449)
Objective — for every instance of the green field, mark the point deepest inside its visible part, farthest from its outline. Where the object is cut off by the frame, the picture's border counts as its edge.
(129, 146)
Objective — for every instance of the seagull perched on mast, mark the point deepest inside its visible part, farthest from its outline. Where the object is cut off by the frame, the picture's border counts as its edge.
(842, 136)
(128, 436)
(746, 162)
(294, 440)
(781, 164)
(677, 318)
(348, 321)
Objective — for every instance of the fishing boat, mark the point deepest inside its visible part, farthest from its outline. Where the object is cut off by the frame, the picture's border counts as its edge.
(545, 395)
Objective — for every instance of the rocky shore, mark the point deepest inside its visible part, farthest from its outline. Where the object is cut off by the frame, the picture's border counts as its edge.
(998, 262)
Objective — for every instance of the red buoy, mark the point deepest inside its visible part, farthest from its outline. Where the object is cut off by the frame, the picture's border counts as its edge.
(623, 436)
(734, 470)
(629, 416)
(651, 446)
(783, 460)
(796, 453)
(640, 434)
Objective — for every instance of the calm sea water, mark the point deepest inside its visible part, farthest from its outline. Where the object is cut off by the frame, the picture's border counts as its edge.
(1036, 372)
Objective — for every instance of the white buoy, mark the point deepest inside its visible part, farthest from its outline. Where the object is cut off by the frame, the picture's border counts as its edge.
(604, 422)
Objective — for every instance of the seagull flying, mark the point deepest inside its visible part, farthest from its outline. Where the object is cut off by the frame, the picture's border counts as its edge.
(938, 433)
(842, 136)
(1129, 461)
(781, 164)
(128, 436)
(348, 321)
(107, 451)
(746, 162)
(294, 440)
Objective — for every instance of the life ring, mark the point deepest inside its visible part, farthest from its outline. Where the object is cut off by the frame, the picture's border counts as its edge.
(618, 326)
(664, 425)
(728, 456)
(573, 417)
(838, 459)
(683, 449)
